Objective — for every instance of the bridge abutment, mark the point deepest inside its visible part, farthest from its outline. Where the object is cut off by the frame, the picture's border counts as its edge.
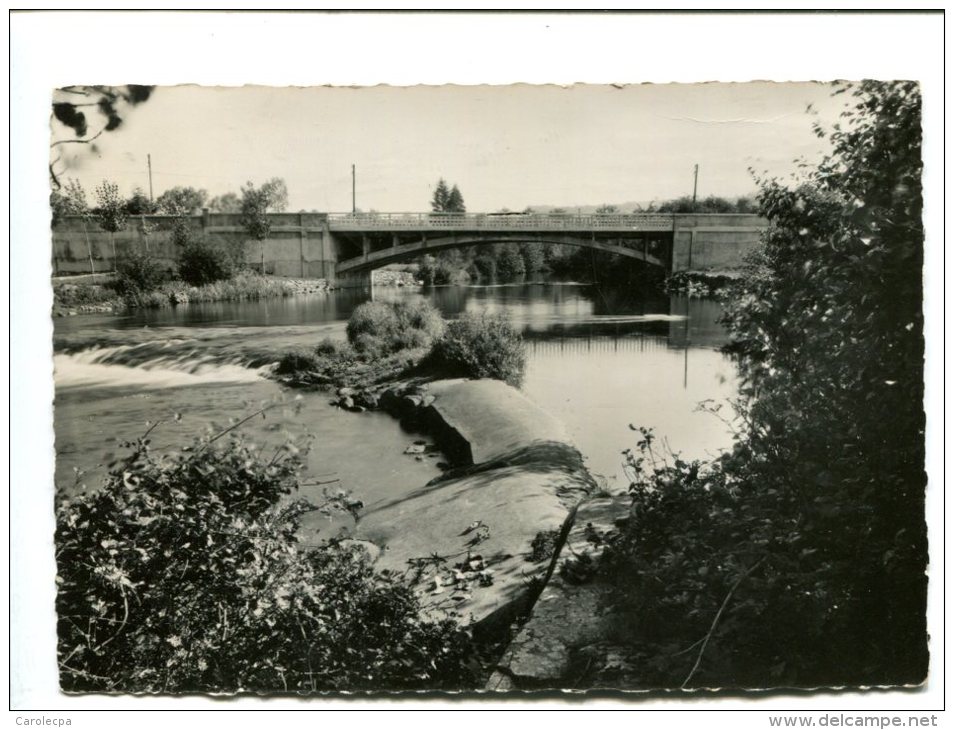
(353, 280)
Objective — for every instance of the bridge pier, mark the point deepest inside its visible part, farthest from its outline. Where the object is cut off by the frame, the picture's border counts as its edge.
(354, 280)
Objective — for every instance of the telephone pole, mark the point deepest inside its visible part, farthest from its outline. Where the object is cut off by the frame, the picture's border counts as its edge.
(695, 186)
(149, 162)
(353, 207)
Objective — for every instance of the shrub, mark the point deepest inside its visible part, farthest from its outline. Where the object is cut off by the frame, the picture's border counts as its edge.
(327, 347)
(137, 273)
(482, 346)
(297, 361)
(205, 262)
(378, 328)
(184, 573)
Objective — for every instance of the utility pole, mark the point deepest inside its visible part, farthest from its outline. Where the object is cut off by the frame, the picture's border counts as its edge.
(149, 162)
(354, 209)
(695, 186)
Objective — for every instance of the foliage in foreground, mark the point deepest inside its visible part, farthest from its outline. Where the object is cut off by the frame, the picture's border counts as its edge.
(185, 572)
(798, 559)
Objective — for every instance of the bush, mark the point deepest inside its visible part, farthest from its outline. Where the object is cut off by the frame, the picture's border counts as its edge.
(801, 554)
(297, 361)
(482, 346)
(377, 329)
(184, 573)
(205, 262)
(138, 273)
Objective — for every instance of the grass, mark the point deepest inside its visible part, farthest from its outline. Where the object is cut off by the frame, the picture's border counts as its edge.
(245, 286)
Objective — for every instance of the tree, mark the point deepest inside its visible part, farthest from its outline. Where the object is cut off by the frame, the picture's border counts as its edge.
(71, 200)
(71, 104)
(181, 200)
(606, 209)
(441, 195)
(140, 204)
(226, 203)
(110, 210)
(533, 257)
(813, 524)
(255, 208)
(277, 194)
(455, 201)
(746, 205)
(510, 264)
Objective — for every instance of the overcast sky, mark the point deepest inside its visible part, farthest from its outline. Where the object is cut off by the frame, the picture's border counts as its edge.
(505, 146)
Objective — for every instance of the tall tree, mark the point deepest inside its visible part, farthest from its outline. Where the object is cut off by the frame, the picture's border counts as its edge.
(277, 193)
(455, 201)
(110, 211)
(441, 194)
(181, 200)
(140, 204)
(81, 114)
(256, 204)
(226, 203)
(71, 200)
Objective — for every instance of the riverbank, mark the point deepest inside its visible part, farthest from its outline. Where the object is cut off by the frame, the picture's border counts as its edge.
(96, 294)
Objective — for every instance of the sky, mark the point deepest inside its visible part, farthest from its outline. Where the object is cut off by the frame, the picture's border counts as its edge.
(504, 146)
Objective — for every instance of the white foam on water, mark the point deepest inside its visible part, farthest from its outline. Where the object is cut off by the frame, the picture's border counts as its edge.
(82, 370)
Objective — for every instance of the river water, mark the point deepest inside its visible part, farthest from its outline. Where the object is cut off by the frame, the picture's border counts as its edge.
(598, 359)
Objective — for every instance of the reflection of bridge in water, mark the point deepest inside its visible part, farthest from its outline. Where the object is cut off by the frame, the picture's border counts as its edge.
(690, 323)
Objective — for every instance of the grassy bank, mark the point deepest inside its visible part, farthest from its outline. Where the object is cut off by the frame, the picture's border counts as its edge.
(72, 296)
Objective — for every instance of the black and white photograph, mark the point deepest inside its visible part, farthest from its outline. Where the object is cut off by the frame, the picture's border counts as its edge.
(495, 391)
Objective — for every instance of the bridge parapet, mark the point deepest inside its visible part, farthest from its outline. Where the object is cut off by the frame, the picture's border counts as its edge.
(609, 222)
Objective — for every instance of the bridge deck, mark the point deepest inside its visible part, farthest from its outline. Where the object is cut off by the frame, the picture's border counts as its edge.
(536, 222)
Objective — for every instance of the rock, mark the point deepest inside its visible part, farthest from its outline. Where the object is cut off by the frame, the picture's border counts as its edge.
(484, 419)
(369, 400)
(418, 447)
(513, 498)
(411, 402)
(573, 621)
(344, 392)
(373, 551)
(347, 403)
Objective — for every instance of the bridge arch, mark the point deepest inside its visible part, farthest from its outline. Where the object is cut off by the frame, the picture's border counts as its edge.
(638, 248)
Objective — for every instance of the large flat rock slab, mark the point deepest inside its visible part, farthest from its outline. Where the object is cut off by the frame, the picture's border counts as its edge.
(575, 626)
(492, 418)
(466, 538)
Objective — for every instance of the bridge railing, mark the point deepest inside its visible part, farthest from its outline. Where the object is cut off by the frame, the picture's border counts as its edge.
(500, 221)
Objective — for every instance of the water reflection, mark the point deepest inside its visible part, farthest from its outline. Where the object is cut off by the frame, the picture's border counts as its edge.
(599, 359)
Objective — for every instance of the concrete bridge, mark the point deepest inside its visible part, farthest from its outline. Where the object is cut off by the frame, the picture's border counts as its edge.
(365, 241)
(346, 247)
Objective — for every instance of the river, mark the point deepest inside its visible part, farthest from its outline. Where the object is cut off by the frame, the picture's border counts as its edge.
(599, 360)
